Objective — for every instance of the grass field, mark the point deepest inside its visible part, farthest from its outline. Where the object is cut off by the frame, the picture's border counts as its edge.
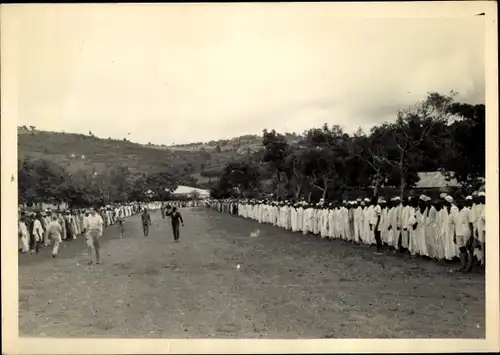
(288, 286)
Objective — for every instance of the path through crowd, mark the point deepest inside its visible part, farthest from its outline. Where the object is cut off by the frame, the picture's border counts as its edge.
(287, 285)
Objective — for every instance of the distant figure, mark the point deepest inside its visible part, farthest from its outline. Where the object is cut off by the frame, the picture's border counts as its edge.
(162, 209)
(176, 219)
(146, 221)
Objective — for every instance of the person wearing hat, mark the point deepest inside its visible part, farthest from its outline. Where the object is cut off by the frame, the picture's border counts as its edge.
(375, 212)
(367, 234)
(383, 225)
(481, 225)
(308, 219)
(358, 221)
(464, 232)
(407, 218)
(93, 227)
(54, 233)
(23, 244)
(323, 218)
(417, 233)
(38, 231)
(350, 210)
(476, 211)
(393, 223)
(431, 235)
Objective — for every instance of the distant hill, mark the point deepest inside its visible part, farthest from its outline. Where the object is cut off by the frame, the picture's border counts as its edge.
(198, 163)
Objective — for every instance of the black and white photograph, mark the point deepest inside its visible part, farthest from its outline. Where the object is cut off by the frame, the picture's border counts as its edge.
(268, 171)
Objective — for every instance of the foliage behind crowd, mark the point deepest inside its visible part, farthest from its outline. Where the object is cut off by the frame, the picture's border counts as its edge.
(436, 134)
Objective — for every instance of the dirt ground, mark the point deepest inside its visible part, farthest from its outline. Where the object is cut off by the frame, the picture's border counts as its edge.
(288, 286)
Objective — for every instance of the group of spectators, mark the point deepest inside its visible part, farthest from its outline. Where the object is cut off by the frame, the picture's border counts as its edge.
(442, 228)
(44, 228)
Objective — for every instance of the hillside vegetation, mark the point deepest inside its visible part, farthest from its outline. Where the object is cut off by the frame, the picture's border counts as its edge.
(198, 163)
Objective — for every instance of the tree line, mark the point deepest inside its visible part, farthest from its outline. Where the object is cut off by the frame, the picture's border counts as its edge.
(435, 134)
(41, 180)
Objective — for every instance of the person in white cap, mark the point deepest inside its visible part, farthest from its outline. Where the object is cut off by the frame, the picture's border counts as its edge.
(350, 215)
(407, 221)
(439, 233)
(464, 232)
(300, 216)
(431, 236)
(382, 226)
(54, 233)
(476, 211)
(481, 226)
(449, 217)
(417, 232)
(358, 221)
(375, 215)
(395, 223)
(367, 234)
(324, 221)
(331, 221)
(307, 221)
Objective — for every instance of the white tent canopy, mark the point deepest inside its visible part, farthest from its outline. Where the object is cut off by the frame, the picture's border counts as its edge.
(186, 190)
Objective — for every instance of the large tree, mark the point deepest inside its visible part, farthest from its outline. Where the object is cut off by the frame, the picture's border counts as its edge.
(276, 150)
(465, 155)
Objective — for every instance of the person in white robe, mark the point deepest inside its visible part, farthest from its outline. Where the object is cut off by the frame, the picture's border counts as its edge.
(358, 221)
(300, 217)
(464, 231)
(375, 213)
(367, 233)
(431, 240)
(407, 221)
(315, 220)
(23, 244)
(481, 226)
(417, 232)
(325, 230)
(383, 224)
(288, 214)
(476, 211)
(345, 220)
(351, 208)
(331, 221)
(439, 229)
(449, 220)
(306, 221)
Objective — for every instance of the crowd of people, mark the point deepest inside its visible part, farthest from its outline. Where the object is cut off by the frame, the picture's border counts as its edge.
(442, 228)
(51, 227)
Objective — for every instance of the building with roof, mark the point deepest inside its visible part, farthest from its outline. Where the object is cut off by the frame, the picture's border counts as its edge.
(187, 191)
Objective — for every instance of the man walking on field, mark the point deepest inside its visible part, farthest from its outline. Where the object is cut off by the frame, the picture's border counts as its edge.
(176, 219)
(54, 234)
(94, 229)
(146, 221)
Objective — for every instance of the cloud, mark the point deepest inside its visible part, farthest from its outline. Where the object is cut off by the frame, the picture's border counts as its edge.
(196, 73)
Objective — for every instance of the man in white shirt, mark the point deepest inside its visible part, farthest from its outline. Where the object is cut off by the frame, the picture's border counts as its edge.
(375, 214)
(94, 228)
(38, 232)
(54, 233)
(464, 233)
(481, 226)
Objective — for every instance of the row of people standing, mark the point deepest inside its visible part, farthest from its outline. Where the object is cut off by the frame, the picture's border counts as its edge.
(34, 231)
(439, 229)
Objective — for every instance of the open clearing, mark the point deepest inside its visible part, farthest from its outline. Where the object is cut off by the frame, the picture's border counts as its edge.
(288, 286)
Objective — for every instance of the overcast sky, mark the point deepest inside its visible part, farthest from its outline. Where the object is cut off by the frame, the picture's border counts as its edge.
(176, 74)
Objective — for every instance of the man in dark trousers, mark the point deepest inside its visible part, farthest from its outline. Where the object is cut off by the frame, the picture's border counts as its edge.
(162, 209)
(146, 221)
(176, 219)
